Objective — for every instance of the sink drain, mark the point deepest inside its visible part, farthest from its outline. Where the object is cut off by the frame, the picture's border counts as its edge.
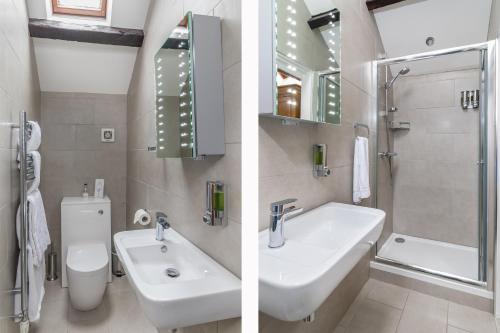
(172, 272)
(400, 240)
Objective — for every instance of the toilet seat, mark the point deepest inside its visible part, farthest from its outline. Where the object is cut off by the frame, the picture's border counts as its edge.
(87, 258)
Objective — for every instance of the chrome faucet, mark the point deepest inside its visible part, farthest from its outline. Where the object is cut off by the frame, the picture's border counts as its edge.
(277, 218)
(161, 225)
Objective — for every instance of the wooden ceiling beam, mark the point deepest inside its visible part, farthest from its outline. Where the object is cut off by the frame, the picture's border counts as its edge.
(85, 33)
(374, 4)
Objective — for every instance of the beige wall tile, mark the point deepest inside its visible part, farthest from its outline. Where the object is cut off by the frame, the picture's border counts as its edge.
(19, 90)
(285, 161)
(73, 154)
(436, 165)
(177, 186)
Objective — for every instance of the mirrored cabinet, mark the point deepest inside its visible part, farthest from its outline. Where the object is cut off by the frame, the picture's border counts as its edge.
(300, 61)
(189, 90)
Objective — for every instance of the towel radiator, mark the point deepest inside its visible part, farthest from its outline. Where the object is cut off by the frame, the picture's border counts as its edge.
(25, 169)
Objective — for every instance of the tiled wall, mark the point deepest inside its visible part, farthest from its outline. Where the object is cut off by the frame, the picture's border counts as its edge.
(19, 90)
(494, 28)
(286, 151)
(73, 154)
(436, 172)
(177, 186)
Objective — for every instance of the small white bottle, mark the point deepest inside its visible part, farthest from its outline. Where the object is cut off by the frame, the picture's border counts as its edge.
(85, 193)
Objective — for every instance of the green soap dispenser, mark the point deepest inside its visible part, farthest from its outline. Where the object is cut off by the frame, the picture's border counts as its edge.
(216, 203)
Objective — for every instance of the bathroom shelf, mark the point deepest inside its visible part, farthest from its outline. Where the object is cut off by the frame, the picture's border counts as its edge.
(399, 125)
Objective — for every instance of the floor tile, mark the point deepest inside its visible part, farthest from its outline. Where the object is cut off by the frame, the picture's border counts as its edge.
(119, 284)
(340, 329)
(53, 318)
(374, 317)
(424, 314)
(452, 329)
(125, 314)
(346, 319)
(470, 319)
(388, 294)
(88, 327)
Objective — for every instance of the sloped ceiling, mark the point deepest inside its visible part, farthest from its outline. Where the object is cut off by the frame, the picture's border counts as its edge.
(405, 26)
(83, 67)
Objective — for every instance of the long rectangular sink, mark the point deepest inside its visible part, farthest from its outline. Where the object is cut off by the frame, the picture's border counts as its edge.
(322, 246)
(203, 290)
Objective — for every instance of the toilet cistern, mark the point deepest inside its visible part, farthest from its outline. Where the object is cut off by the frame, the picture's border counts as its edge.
(161, 225)
(278, 216)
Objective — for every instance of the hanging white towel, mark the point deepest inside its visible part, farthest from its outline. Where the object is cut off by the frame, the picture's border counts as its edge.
(36, 289)
(36, 137)
(361, 171)
(38, 241)
(38, 232)
(37, 163)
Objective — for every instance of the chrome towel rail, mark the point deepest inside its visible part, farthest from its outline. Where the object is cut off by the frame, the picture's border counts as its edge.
(356, 125)
(24, 173)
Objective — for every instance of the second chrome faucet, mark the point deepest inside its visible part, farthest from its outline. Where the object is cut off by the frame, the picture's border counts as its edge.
(279, 214)
(161, 225)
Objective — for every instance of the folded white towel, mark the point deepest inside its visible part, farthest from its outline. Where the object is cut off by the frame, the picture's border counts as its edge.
(34, 140)
(36, 290)
(38, 232)
(36, 137)
(37, 164)
(361, 171)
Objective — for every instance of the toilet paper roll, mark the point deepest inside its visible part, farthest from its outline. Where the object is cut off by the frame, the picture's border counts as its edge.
(142, 217)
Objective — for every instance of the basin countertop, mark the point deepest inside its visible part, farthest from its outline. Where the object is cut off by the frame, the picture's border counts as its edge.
(321, 248)
(204, 291)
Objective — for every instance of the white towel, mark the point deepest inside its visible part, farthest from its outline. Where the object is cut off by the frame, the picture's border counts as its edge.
(37, 163)
(38, 232)
(36, 289)
(361, 171)
(38, 241)
(35, 139)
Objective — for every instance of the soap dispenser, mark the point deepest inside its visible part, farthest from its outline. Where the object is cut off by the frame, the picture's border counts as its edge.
(320, 168)
(85, 192)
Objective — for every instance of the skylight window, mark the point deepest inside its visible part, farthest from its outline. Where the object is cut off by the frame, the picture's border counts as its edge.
(93, 8)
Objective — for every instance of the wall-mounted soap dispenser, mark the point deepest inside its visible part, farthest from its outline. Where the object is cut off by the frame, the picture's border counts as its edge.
(216, 204)
(320, 168)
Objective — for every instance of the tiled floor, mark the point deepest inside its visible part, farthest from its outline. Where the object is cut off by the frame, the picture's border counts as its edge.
(386, 308)
(119, 312)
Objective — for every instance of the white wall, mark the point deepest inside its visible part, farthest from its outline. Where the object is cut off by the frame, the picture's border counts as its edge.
(82, 67)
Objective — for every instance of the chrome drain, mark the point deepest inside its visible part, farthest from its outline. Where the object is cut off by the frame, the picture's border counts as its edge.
(400, 240)
(172, 272)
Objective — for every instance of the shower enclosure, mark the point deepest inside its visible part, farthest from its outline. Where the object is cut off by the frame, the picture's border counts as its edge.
(433, 165)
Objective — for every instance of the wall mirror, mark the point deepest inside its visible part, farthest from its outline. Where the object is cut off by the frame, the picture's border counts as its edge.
(189, 90)
(306, 61)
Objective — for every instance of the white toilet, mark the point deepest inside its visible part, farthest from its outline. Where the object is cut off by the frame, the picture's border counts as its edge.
(86, 249)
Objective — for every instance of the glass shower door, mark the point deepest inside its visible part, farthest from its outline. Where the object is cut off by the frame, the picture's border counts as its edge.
(431, 176)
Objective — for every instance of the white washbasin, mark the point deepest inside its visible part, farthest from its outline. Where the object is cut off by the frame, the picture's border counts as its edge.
(203, 292)
(322, 246)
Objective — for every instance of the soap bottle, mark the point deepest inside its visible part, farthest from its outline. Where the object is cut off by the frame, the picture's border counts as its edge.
(85, 193)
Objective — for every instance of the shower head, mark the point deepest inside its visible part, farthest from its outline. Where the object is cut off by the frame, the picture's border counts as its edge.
(405, 70)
